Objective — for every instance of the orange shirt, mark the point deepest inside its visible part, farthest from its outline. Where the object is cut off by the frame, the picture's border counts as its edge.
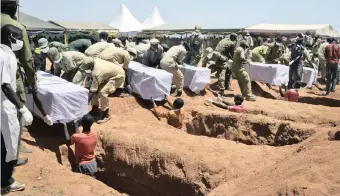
(292, 95)
(175, 117)
(237, 108)
(84, 146)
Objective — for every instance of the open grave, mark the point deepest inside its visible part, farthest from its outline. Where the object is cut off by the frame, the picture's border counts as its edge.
(216, 153)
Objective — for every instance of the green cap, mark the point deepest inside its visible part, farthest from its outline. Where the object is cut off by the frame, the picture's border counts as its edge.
(53, 54)
(43, 45)
(132, 51)
(89, 62)
(233, 35)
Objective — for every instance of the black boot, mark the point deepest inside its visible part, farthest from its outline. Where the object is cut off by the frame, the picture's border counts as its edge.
(96, 113)
(21, 162)
(221, 92)
(105, 117)
(179, 93)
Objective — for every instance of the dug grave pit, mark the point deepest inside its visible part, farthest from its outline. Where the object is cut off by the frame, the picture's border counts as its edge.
(248, 129)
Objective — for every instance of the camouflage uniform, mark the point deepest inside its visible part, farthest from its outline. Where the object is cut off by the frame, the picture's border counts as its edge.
(154, 54)
(242, 76)
(196, 43)
(72, 63)
(217, 64)
(80, 45)
(275, 52)
(60, 46)
(226, 49)
(259, 54)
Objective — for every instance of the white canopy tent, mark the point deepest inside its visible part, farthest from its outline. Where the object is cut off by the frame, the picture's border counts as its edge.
(125, 21)
(154, 20)
(318, 29)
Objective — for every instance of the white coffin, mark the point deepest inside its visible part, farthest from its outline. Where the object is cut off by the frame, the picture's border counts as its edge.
(62, 100)
(149, 82)
(195, 78)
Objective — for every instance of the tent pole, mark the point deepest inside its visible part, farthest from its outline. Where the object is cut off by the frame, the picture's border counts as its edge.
(65, 37)
(18, 11)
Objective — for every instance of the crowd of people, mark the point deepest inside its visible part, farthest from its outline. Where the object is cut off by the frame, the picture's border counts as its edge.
(302, 51)
(95, 63)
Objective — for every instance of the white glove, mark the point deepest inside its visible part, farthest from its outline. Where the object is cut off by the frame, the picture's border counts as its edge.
(27, 116)
(48, 120)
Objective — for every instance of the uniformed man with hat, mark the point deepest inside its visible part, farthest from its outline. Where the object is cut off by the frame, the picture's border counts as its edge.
(226, 48)
(238, 70)
(154, 54)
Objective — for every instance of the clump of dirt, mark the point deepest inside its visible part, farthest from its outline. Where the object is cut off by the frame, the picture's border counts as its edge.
(248, 129)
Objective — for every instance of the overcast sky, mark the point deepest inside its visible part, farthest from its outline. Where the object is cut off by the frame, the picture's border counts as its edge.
(208, 13)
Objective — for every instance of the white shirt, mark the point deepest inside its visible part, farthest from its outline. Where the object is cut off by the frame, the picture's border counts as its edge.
(9, 121)
(8, 76)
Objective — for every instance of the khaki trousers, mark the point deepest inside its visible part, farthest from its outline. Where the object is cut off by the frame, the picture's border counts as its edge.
(104, 90)
(177, 78)
(322, 68)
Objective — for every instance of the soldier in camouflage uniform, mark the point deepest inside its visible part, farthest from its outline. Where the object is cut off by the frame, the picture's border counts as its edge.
(275, 52)
(226, 48)
(259, 54)
(196, 44)
(216, 63)
(242, 76)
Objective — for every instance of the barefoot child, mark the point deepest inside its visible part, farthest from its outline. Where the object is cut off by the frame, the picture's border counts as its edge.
(85, 144)
(233, 107)
(175, 116)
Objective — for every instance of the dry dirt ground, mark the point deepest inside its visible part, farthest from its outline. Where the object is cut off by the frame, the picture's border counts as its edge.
(275, 148)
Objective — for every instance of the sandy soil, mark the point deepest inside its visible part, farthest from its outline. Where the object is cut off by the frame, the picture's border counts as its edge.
(216, 153)
(44, 175)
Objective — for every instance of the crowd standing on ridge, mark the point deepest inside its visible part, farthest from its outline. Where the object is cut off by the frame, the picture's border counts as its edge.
(95, 63)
